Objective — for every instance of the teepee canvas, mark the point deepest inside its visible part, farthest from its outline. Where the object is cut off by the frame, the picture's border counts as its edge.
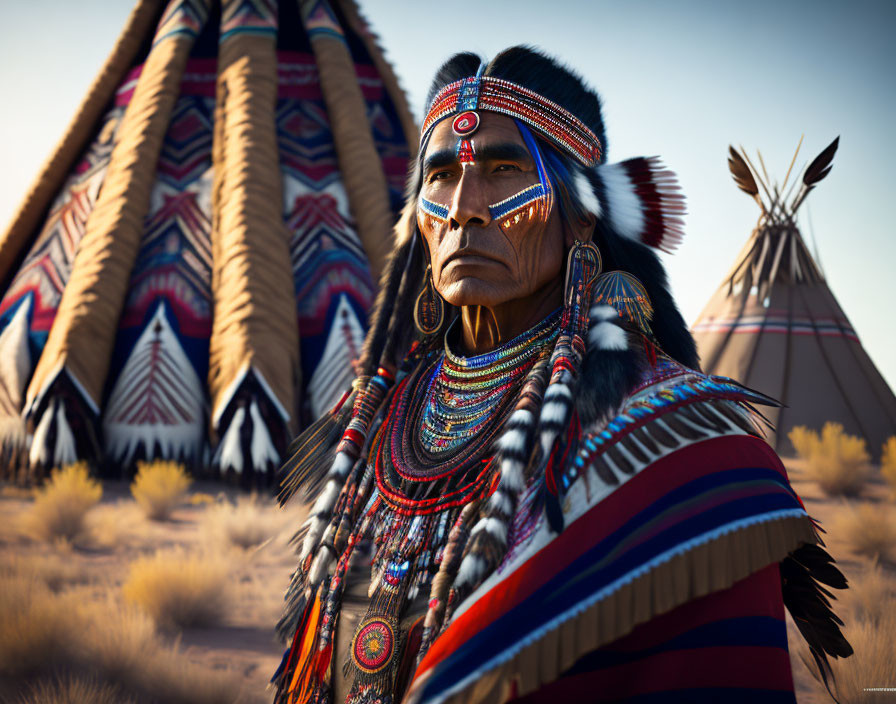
(775, 325)
(190, 275)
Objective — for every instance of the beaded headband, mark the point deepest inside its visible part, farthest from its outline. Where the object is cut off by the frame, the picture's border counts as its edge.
(479, 92)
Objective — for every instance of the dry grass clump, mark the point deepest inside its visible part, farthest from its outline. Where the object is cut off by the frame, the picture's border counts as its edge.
(837, 461)
(70, 690)
(62, 503)
(159, 487)
(246, 524)
(888, 462)
(178, 589)
(871, 594)
(867, 610)
(869, 528)
(44, 636)
(51, 569)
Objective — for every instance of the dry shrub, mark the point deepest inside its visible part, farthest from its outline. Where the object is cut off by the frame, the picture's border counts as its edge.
(52, 569)
(870, 595)
(70, 690)
(246, 524)
(888, 462)
(35, 626)
(871, 665)
(44, 636)
(179, 589)
(61, 504)
(837, 461)
(159, 487)
(200, 498)
(869, 528)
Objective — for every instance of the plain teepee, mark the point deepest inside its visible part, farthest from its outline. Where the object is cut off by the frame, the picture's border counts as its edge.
(775, 325)
(190, 275)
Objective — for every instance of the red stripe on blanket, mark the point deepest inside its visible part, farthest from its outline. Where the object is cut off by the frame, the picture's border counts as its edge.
(652, 483)
(752, 667)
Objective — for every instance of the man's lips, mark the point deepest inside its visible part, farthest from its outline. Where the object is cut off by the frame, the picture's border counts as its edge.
(466, 256)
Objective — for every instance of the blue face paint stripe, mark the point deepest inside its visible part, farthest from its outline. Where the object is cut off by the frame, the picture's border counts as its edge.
(433, 209)
(515, 202)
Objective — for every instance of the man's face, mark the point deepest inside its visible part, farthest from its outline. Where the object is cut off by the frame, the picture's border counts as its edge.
(483, 254)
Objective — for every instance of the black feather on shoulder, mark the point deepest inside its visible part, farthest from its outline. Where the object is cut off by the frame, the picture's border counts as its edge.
(802, 574)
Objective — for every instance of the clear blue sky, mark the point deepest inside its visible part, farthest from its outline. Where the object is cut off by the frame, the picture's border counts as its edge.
(679, 79)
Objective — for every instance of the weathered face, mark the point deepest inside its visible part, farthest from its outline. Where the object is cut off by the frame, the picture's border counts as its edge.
(494, 235)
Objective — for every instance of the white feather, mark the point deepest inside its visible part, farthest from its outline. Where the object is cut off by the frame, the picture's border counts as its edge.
(513, 440)
(512, 474)
(341, 465)
(607, 336)
(327, 498)
(500, 502)
(319, 567)
(229, 453)
(554, 412)
(39, 449)
(263, 450)
(554, 391)
(493, 526)
(586, 193)
(65, 440)
(623, 204)
(315, 530)
(471, 569)
(604, 312)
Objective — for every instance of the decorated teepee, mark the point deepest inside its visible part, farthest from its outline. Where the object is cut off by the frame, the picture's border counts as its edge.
(189, 276)
(775, 325)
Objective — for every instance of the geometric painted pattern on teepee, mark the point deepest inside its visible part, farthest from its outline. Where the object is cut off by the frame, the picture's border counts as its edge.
(172, 266)
(328, 261)
(47, 267)
(335, 372)
(158, 402)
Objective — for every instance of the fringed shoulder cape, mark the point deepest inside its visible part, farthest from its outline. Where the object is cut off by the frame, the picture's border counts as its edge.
(666, 582)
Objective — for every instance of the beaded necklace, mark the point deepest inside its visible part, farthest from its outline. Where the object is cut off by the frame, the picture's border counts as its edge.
(431, 456)
(463, 392)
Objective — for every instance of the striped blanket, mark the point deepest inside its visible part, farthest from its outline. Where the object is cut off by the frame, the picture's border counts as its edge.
(664, 585)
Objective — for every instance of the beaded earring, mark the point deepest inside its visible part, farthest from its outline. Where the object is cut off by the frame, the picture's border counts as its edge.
(429, 309)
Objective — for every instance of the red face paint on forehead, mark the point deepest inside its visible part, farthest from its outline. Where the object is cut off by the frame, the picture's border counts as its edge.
(465, 152)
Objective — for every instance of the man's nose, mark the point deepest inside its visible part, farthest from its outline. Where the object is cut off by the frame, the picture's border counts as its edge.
(470, 204)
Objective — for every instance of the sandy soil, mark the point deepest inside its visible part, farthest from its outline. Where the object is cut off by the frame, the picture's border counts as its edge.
(244, 642)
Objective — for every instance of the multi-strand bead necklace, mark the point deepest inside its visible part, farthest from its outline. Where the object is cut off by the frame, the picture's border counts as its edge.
(464, 392)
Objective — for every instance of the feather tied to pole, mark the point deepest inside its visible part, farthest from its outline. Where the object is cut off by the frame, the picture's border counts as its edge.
(817, 170)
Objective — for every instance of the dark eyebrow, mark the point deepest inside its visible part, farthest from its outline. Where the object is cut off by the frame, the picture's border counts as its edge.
(505, 151)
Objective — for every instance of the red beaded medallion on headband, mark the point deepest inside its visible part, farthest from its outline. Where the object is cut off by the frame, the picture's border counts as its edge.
(497, 95)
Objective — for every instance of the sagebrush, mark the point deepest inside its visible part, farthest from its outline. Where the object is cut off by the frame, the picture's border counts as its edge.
(58, 644)
(836, 460)
(62, 503)
(869, 528)
(159, 487)
(888, 463)
(179, 589)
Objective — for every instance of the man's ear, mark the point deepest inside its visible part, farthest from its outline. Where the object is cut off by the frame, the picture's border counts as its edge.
(580, 230)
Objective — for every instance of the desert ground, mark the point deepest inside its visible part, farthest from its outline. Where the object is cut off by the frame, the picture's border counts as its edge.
(79, 624)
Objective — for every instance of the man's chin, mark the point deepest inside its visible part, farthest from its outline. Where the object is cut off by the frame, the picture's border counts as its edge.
(471, 291)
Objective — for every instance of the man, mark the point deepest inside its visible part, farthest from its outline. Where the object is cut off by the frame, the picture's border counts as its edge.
(531, 494)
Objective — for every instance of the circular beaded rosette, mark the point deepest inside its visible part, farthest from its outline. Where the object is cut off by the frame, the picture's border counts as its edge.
(374, 645)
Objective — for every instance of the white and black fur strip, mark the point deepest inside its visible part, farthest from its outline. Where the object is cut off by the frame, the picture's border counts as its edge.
(643, 202)
(554, 412)
(323, 507)
(614, 364)
(512, 449)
